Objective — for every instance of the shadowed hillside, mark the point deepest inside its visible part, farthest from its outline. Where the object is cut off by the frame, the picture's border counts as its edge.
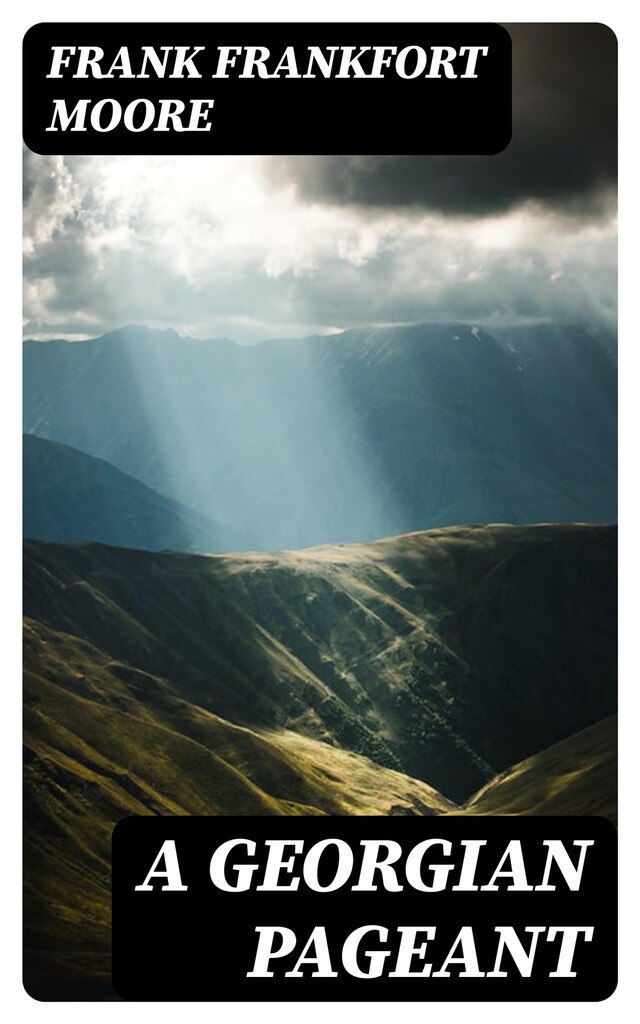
(101, 744)
(71, 497)
(102, 741)
(312, 682)
(576, 776)
(448, 655)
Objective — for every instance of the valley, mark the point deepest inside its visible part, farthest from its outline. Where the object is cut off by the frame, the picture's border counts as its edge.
(447, 672)
(212, 626)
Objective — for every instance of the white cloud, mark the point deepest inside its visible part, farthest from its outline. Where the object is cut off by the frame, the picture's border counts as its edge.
(52, 198)
(211, 244)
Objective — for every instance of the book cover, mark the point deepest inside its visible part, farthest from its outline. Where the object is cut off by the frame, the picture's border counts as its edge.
(320, 505)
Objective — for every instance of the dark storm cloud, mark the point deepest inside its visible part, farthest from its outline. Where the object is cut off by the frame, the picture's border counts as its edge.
(523, 235)
(562, 153)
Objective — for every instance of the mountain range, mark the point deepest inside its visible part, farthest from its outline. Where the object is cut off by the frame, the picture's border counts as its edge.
(344, 438)
(356, 645)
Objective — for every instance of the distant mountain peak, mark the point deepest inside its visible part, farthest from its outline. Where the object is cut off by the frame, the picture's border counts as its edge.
(344, 438)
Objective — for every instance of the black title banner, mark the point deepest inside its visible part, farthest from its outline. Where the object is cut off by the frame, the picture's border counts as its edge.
(365, 909)
(127, 88)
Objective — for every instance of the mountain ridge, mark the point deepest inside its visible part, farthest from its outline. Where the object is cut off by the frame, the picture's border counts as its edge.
(302, 682)
(409, 650)
(349, 437)
(72, 497)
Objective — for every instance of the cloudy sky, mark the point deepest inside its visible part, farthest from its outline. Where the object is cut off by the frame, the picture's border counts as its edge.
(256, 247)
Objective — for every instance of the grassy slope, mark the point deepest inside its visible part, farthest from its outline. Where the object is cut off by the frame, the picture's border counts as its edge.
(448, 655)
(576, 776)
(103, 742)
(136, 663)
(95, 752)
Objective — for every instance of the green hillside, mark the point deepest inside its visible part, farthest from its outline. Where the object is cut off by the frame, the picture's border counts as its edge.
(94, 753)
(576, 776)
(448, 655)
(103, 741)
(343, 680)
